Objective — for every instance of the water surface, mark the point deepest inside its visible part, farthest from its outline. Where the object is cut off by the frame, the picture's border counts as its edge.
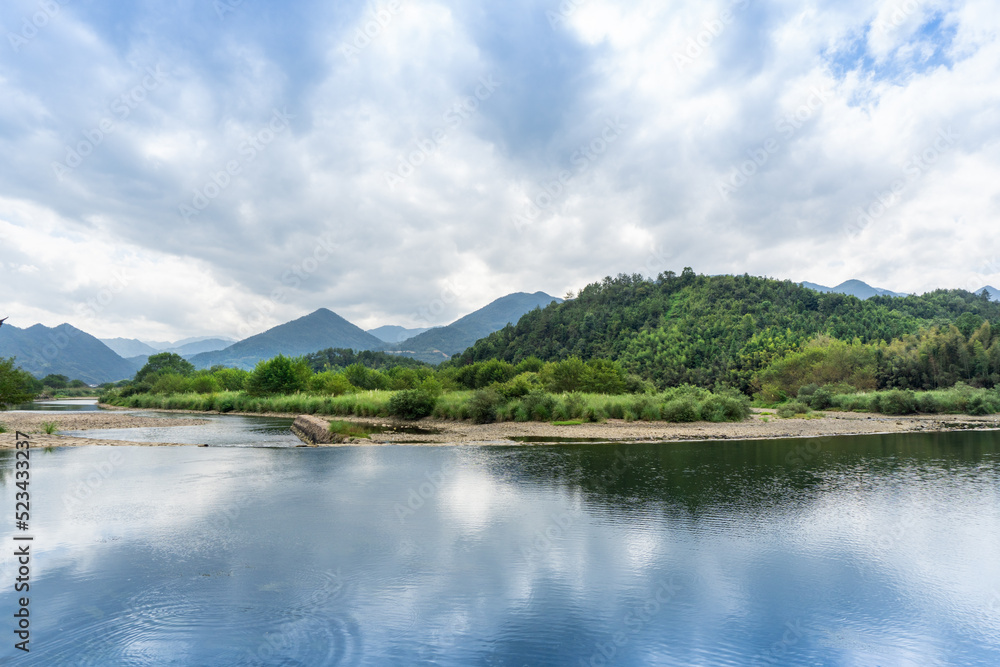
(874, 550)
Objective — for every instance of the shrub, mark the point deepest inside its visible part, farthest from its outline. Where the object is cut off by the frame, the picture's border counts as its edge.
(928, 403)
(897, 402)
(680, 410)
(411, 404)
(483, 406)
(330, 382)
(539, 405)
(791, 409)
(3, 428)
(205, 384)
(821, 399)
(519, 386)
(50, 427)
(725, 408)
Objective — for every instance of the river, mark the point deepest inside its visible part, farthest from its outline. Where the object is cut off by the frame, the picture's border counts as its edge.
(873, 550)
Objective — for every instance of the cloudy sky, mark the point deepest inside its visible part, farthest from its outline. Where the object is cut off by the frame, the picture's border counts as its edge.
(195, 167)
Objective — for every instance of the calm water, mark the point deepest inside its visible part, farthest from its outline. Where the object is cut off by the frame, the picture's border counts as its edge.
(220, 431)
(852, 551)
(59, 405)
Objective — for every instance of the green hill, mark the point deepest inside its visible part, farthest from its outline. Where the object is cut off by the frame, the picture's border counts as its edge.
(317, 331)
(705, 330)
(436, 345)
(63, 350)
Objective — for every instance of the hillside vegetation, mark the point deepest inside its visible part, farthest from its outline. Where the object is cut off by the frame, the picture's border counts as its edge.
(761, 335)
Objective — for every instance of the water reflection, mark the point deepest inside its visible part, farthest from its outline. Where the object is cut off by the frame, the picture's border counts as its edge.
(857, 551)
(59, 405)
(219, 431)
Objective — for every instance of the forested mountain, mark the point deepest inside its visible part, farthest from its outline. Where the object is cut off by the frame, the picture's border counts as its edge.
(703, 330)
(317, 331)
(436, 345)
(63, 350)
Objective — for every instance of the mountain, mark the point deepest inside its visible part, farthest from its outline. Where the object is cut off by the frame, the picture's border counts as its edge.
(701, 330)
(994, 292)
(129, 347)
(316, 331)
(191, 347)
(393, 334)
(437, 345)
(63, 350)
(856, 288)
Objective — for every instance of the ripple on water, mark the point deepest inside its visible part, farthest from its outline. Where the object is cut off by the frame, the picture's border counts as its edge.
(298, 620)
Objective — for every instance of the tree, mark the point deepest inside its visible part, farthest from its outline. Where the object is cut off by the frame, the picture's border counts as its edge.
(55, 381)
(280, 375)
(15, 384)
(164, 362)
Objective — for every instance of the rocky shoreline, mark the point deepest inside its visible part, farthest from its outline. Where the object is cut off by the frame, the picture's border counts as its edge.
(763, 424)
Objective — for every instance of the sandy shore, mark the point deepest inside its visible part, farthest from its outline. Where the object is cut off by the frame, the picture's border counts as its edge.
(31, 423)
(763, 424)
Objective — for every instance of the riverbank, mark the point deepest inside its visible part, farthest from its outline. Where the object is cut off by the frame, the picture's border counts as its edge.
(760, 426)
(32, 424)
(763, 424)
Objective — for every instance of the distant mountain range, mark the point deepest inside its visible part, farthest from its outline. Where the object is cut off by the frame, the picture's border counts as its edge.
(393, 334)
(68, 351)
(131, 347)
(856, 288)
(439, 344)
(316, 331)
(63, 350)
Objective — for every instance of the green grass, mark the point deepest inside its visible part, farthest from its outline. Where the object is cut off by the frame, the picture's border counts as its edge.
(351, 429)
(674, 405)
(3, 428)
(571, 422)
(960, 399)
(50, 427)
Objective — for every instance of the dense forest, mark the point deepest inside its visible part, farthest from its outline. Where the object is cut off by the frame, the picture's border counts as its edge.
(758, 334)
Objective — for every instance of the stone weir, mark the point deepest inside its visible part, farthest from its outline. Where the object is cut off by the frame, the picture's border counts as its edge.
(312, 430)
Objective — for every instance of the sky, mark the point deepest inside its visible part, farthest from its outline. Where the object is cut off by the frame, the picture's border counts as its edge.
(188, 168)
